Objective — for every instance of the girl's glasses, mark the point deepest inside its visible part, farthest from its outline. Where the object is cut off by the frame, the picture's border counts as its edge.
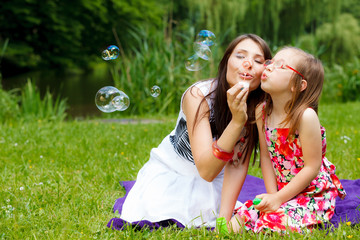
(280, 64)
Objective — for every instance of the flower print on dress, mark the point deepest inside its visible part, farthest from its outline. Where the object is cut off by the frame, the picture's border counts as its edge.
(275, 220)
(314, 205)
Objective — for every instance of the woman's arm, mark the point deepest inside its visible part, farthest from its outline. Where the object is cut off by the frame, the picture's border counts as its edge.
(200, 136)
(310, 139)
(266, 165)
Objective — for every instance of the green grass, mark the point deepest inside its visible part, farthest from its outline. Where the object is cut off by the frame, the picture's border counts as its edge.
(59, 180)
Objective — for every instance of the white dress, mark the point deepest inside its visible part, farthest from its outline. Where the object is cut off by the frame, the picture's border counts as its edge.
(169, 186)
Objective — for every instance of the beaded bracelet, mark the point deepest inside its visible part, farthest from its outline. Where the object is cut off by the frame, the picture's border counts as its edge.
(221, 154)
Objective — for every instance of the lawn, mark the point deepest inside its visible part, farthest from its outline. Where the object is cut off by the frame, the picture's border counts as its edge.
(60, 180)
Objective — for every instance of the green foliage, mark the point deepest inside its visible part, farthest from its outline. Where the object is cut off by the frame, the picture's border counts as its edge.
(342, 82)
(155, 37)
(311, 44)
(57, 185)
(73, 33)
(334, 42)
(157, 59)
(340, 38)
(6, 42)
(327, 28)
(68, 33)
(352, 7)
(26, 104)
(33, 107)
(279, 21)
(9, 109)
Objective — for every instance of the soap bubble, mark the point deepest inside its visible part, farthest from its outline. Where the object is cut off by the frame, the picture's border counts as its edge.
(202, 50)
(195, 63)
(110, 53)
(204, 40)
(109, 99)
(155, 91)
(206, 37)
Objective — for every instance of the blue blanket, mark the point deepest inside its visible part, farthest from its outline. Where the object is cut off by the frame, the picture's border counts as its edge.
(347, 210)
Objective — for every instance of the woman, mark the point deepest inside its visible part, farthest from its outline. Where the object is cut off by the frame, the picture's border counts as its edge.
(183, 178)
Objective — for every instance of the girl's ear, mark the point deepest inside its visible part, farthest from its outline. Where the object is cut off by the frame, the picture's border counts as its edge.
(303, 85)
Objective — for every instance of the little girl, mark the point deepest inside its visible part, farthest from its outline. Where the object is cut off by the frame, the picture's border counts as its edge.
(300, 182)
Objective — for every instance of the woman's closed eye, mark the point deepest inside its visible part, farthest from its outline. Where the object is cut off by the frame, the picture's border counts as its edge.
(240, 55)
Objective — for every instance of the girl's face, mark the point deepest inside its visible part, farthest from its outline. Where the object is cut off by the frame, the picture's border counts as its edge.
(276, 77)
(246, 63)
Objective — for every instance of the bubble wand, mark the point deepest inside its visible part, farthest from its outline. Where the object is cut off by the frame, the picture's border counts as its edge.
(246, 64)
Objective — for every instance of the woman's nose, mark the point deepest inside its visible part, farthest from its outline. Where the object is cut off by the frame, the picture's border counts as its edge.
(247, 64)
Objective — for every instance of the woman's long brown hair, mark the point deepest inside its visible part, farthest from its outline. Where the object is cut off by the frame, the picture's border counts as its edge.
(220, 110)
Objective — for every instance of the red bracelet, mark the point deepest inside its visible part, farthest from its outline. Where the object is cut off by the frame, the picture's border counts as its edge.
(221, 154)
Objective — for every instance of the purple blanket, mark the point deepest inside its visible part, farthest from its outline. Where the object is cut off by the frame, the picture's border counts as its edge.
(346, 210)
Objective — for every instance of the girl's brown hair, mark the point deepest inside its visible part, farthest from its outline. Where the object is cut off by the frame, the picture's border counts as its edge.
(220, 110)
(312, 70)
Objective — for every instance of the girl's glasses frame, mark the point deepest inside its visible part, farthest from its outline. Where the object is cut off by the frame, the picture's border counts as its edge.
(280, 64)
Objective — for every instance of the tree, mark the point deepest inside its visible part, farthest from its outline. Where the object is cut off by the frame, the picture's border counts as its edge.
(60, 34)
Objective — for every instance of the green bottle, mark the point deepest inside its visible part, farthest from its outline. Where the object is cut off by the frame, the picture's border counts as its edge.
(221, 225)
(256, 201)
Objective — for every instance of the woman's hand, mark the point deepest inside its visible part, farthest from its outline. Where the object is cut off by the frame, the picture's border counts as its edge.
(236, 98)
(269, 203)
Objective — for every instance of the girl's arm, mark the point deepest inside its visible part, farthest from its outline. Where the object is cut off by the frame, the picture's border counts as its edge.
(266, 165)
(201, 136)
(311, 143)
(234, 178)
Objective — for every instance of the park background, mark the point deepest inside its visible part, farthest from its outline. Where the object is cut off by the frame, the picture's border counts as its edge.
(59, 174)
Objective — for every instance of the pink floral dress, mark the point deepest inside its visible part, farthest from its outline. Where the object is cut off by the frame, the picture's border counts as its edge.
(314, 205)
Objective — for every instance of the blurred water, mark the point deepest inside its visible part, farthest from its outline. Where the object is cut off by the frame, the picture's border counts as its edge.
(78, 88)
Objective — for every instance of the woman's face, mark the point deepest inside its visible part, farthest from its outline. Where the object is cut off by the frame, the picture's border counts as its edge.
(246, 63)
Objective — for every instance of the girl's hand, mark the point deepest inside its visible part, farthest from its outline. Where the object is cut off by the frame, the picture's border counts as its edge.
(269, 203)
(236, 98)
